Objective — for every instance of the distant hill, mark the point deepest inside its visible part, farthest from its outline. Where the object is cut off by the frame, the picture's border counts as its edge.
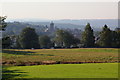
(95, 23)
(16, 27)
(59, 25)
(67, 23)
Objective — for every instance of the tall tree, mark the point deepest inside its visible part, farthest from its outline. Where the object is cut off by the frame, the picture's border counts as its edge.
(65, 39)
(88, 38)
(118, 39)
(105, 37)
(29, 38)
(6, 42)
(75, 42)
(45, 42)
(18, 45)
(114, 40)
(3, 24)
(59, 38)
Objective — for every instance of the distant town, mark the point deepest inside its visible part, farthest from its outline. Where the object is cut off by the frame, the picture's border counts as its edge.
(15, 29)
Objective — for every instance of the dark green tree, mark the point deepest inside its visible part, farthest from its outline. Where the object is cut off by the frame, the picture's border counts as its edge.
(118, 39)
(3, 24)
(45, 42)
(6, 42)
(18, 46)
(76, 41)
(105, 37)
(114, 40)
(59, 38)
(65, 39)
(29, 38)
(69, 40)
(88, 38)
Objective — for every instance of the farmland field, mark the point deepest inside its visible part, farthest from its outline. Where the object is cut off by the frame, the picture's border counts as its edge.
(77, 55)
(88, 70)
(108, 68)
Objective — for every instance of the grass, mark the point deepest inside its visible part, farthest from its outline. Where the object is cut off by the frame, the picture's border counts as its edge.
(94, 70)
(81, 54)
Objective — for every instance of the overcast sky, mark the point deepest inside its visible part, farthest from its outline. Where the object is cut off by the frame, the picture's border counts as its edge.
(60, 10)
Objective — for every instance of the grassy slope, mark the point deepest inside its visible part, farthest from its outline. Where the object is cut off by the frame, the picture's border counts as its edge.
(95, 70)
(86, 54)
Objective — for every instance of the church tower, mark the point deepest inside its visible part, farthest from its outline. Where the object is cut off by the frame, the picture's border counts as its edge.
(51, 26)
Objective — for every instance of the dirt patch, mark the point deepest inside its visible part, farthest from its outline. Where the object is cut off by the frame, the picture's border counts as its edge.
(48, 63)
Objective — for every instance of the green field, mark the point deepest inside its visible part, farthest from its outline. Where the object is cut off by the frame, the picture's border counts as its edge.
(81, 54)
(94, 70)
(107, 69)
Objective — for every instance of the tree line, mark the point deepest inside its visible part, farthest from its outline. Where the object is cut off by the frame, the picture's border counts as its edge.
(28, 38)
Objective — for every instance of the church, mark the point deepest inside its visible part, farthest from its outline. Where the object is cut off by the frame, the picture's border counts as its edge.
(50, 28)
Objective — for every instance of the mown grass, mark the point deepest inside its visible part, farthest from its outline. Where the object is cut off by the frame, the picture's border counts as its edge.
(81, 54)
(94, 70)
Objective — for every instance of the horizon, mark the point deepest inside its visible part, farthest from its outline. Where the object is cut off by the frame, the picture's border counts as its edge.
(37, 19)
(96, 23)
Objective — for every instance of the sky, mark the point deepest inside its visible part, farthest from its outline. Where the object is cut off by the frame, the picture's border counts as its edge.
(60, 10)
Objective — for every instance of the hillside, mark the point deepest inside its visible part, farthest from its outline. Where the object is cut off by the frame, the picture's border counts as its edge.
(80, 23)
